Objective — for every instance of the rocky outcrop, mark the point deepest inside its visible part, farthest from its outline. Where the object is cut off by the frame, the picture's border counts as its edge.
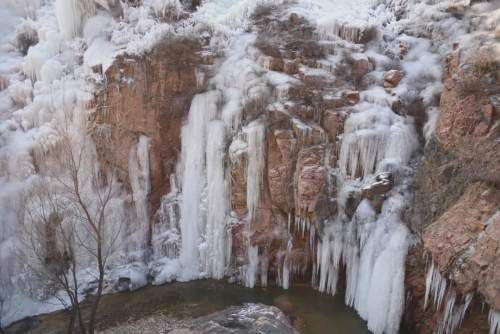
(469, 106)
(150, 96)
(311, 181)
(456, 184)
(248, 318)
(282, 154)
(457, 198)
(464, 242)
(392, 78)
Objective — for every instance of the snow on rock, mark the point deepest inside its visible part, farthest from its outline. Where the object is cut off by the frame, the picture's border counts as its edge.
(353, 20)
(129, 277)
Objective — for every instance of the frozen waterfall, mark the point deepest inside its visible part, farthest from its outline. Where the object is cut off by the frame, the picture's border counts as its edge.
(194, 138)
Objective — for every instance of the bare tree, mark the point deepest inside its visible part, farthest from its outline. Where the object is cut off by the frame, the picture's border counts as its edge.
(66, 225)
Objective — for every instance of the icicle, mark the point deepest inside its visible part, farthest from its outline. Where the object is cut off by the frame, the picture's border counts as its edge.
(286, 265)
(373, 135)
(435, 287)
(138, 165)
(312, 237)
(70, 15)
(252, 266)
(448, 314)
(215, 237)
(200, 78)
(323, 263)
(494, 319)
(351, 259)
(255, 132)
(329, 256)
(289, 225)
(454, 313)
(264, 269)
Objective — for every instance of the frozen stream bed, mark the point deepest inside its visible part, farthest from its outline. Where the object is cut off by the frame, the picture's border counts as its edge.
(179, 305)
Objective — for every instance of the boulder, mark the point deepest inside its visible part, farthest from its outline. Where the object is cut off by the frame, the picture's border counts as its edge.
(392, 78)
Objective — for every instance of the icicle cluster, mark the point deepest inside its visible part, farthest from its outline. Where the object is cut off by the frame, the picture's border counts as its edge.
(439, 291)
(494, 319)
(374, 136)
(373, 249)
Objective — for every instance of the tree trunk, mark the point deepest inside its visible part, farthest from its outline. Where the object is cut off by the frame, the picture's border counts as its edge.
(95, 305)
(97, 299)
(71, 324)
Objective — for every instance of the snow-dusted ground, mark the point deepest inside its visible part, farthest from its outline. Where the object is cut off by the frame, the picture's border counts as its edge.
(53, 83)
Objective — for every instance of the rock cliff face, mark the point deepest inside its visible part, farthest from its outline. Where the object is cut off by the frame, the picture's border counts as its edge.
(150, 96)
(454, 211)
(297, 150)
(456, 203)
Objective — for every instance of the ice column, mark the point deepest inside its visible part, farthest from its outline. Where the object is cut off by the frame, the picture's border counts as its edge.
(255, 140)
(138, 165)
(69, 17)
(252, 266)
(215, 238)
(194, 138)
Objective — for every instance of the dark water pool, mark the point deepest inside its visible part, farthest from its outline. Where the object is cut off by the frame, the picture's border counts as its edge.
(310, 312)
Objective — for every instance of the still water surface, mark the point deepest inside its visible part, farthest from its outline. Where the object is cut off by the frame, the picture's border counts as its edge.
(309, 311)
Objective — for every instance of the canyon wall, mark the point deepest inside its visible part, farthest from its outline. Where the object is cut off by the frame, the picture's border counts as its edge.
(344, 145)
(452, 212)
(455, 207)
